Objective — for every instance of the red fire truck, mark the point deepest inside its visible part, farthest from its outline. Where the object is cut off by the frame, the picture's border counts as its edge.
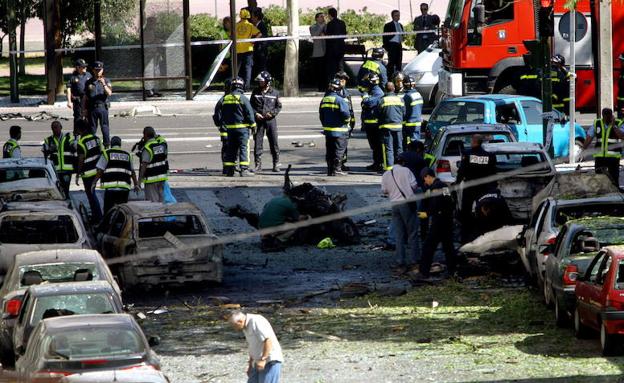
(483, 51)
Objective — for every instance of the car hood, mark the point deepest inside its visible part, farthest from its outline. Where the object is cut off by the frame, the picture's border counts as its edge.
(428, 60)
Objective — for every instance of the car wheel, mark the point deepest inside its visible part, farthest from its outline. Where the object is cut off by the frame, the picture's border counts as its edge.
(580, 330)
(561, 316)
(548, 300)
(608, 342)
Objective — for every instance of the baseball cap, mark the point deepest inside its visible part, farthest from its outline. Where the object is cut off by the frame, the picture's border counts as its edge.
(98, 65)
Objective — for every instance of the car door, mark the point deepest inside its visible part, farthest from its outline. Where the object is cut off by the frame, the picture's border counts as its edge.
(532, 129)
(554, 263)
(111, 238)
(22, 320)
(533, 236)
(588, 292)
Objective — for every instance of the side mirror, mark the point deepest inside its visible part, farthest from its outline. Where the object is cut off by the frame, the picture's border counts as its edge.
(479, 14)
(153, 341)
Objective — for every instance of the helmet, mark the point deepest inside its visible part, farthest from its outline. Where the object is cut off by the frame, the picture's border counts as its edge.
(237, 83)
(244, 14)
(409, 82)
(335, 84)
(264, 76)
(81, 63)
(371, 78)
(558, 59)
(342, 75)
(378, 53)
(398, 76)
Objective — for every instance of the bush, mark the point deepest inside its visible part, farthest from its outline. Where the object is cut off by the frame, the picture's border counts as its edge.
(206, 27)
(362, 21)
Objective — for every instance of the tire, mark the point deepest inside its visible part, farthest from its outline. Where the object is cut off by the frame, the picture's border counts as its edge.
(548, 299)
(608, 342)
(561, 316)
(580, 330)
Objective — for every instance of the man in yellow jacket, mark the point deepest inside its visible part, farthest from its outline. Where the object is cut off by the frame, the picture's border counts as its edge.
(244, 50)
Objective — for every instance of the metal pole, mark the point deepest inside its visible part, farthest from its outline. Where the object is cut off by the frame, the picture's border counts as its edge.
(216, 10)
(606, 56)
(546, 91)
(572, 112)
(142, 41)
(188, 63)
(234, 60)
(97, 21)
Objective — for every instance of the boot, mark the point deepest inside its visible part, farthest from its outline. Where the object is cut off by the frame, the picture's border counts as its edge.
(276, 167)
(258, 167)
(229, 172)
(246, 173)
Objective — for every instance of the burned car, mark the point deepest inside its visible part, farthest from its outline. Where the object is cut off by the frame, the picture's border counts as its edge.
(29, 179)
(150, 244)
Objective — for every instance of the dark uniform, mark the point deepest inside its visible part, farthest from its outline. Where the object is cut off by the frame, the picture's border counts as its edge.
(391, 114)
(440, 211)
(530, 84)
(8, 149)
(268, 104)
(77, 83)
(370, 124)
(234, 112)
(116, 177)
(155, 153)
(561, 89)
(413, 116)
(344, 93)
(371, 66)
(97, 106)
(90, 148)
(335, 117)
(62, 152)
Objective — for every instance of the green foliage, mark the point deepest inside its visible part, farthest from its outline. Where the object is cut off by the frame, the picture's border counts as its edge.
(275, 15)
(164, 24)
(206, 27)
(362, 21)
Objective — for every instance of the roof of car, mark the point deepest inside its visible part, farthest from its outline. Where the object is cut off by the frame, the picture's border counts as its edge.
(476, 128)
(55, 256)
(514, 147)
(66, 288)
(88, 320)
(25, 162)
(146, 208)
(46, 206)
(578, 201)
(492, 97)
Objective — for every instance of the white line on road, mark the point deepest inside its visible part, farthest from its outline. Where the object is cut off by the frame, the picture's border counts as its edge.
(201, 138)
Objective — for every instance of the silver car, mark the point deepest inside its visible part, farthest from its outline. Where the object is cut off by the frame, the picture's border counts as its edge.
(29, 179)
(424, 68)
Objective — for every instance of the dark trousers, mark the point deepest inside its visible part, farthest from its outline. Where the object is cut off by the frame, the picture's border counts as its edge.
(333, 64)
(237, 147)
(334, 152)
(392, 146)
(244, 62)
(96, 211)
(223, 152)
(466, 216)
(77, 109)
(440, 231)
(270, 128)
(114, 197)
(320, 77)
(259, 61)
(395, 58)
(65, 180)
(373, 135)
(99, 114)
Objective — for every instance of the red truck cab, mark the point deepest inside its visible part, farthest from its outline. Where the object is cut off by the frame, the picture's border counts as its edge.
(600, 299)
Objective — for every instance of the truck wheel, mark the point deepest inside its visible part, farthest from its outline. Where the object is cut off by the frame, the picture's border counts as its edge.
(580, 330)
(561, 316)
(608, 342)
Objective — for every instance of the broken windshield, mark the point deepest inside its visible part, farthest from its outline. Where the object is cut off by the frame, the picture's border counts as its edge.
(512, 161)
(20, 173)
(61, 272)
(175, 224)
(71, 304)
(95, 342)
(38, 229)
(564, 214)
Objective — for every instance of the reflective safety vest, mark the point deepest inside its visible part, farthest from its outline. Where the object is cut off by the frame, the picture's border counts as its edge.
(90, 147)
(157, 169)
(413, 108)
(63, 155)
(9, 147)
(391, 113)
(606, 137)
(118, 172)
(429, 159)
(372, 66)
(236, 112)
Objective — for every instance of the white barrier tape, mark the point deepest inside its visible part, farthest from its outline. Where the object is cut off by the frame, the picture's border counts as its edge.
(220, 42)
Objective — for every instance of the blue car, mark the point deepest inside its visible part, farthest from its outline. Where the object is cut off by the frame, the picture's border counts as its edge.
(521, 113)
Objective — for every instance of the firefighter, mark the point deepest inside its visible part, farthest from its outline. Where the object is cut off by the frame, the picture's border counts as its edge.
(620, 94)
(391, 115)
(266, 105)
(530, 84)
(95, 101)
(397, 79)
(61, 150)
(609, 133)
(335, 118)
(344, 93)
(413, 111)
(115, 171)
(370, 119)
(154, 171)
(373, 65)
(11, 148)
(560, 78)
(234, 112)
(222, 129)
(89, 151)
(76, 89)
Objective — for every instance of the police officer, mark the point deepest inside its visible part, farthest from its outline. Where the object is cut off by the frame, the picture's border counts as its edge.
(609, 133)
(560, 78)
(475, 163)
(438, 206)
(154, 171)
(115, 171)
(266, 105)
(391, 115)
(620, 94)
(61, 150)
(97, 91)
(11, 148)
(413, 111)
(76, 89)
(373, 65)
(344, 93)
(370, 118)
(234, 112)
(335, 117)
(89, 151)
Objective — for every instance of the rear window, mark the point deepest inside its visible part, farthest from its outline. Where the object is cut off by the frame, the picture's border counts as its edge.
(454, 112)
(610, 235)
(73, 304)
(512, 161)
(8, 175)
(565, 213)
(60, 272)
(619, 279)
(38, 229)
(95, 342)
(456, 143)
(175, 224)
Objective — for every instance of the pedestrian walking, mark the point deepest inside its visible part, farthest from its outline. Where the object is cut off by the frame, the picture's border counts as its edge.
(334, 48)
(115, 171)
(373, 65)
(608, 133)
(620, 94)
(11, 148)
(266, 105)
(370, 119)
(60, 149)
(260, 48)
(265, 353)
(154, 170)
(244, 50)
(234, 112)
(95, 101)
(560, 78)
(89, 150)
(394, 43)
(344, 93)
(318, 51)
(413, 111)
(76, 89)
(438, 205)
(391, 115)
(335, 118)
(426, 25)
(399, 185)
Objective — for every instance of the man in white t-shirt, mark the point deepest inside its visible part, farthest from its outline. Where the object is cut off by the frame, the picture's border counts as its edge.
(265, 352)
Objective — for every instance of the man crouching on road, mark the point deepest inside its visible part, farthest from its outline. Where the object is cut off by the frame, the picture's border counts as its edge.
(265, 352)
